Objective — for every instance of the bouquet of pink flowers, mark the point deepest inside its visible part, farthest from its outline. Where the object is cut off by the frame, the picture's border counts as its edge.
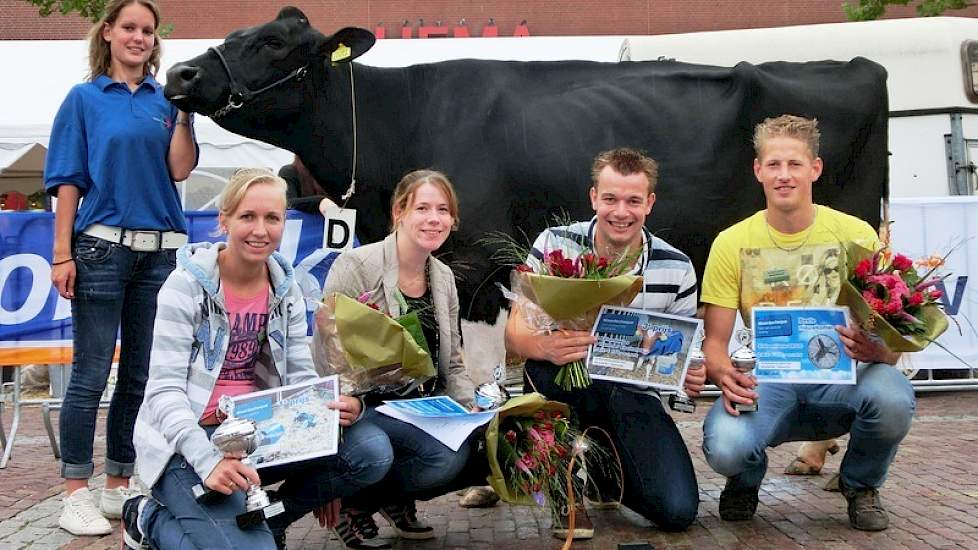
(530, 444)
(895, 297)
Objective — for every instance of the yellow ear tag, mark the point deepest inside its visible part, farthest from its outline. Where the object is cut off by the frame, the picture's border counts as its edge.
(341, 53)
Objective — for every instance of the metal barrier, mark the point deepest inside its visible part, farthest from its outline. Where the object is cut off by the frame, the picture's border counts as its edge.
(17, 403)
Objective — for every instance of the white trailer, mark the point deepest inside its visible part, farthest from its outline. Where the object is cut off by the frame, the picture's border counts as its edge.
(933, 84)
(932, 66)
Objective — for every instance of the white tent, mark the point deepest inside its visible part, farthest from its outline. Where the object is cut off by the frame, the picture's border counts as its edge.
(42, 72)
(19, 165)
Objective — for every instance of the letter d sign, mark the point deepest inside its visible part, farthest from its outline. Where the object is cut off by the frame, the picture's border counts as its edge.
(338, 228)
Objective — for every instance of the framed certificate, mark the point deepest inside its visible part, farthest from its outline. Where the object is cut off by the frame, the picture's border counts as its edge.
(640, 347)
(294, 421)
(799, 345)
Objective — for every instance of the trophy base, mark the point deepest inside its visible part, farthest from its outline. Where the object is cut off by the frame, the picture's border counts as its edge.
(741, 407)
(682, 404)
(253, 518)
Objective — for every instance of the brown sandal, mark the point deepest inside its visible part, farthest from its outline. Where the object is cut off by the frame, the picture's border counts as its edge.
(800, 467)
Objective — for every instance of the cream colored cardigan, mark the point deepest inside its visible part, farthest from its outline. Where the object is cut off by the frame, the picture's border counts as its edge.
(374, 266)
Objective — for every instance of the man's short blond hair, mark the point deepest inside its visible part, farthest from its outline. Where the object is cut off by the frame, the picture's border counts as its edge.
(790, 126)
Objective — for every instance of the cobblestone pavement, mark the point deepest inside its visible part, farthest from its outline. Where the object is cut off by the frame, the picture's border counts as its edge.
(932, 496)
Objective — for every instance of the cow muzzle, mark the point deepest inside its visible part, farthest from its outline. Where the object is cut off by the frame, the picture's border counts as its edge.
(180, 81)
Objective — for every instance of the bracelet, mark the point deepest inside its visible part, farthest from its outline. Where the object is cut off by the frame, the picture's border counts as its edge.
(62, 262)
(185, 122)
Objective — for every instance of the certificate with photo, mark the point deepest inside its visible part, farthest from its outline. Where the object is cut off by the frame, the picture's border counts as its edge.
(640, 347)
(294, 421)
(799, 345)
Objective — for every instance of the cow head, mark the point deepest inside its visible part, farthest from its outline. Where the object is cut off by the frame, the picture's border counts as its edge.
(253, 79)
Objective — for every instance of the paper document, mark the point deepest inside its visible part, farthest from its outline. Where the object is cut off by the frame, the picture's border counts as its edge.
(440, 406)
(295, 422)
(645, 348)
(441, 417)
(798, 345)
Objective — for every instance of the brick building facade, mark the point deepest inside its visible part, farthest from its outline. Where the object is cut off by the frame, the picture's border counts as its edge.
(215, 18)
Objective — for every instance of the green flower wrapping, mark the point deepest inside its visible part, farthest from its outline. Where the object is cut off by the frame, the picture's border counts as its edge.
(368, 349)
(523, 405)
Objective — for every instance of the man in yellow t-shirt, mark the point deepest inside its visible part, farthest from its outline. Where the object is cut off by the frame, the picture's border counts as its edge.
(789, 254)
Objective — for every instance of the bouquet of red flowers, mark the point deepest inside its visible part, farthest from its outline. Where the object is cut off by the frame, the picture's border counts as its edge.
(568, 294)
(586, 266)
(889, 296)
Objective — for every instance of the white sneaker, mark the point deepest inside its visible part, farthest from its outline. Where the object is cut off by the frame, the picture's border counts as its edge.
(112, 499)
(80, 516)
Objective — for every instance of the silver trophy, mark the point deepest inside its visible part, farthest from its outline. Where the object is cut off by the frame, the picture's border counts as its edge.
(492, 395)
(744, 360)
(240, 437)
(680, 401)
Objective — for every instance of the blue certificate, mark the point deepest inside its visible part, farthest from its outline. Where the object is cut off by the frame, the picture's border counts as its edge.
(799, 345)
(438, 406)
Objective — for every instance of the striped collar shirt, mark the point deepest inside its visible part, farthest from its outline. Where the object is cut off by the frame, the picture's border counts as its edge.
(669, 277)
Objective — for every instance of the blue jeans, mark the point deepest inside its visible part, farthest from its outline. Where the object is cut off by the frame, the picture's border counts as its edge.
(659, 480)
(114, 286)
(424, 468)
(173, 519)
(876, 412)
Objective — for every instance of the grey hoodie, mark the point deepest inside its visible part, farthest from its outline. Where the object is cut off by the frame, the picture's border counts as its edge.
(189, 344)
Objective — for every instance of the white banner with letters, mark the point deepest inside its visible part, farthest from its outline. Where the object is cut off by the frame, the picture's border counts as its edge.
(935, 225)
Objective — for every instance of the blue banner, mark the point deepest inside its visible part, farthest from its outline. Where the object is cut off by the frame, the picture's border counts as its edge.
(35, 322)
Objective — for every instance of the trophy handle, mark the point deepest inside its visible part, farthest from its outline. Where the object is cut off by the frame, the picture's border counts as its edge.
(499, 372)
(226, 406)
(745, 337)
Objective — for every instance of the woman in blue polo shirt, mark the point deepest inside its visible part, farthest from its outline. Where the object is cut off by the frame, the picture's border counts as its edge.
(117, 147)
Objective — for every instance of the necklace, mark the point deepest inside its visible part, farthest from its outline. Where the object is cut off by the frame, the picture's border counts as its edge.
(808, 235)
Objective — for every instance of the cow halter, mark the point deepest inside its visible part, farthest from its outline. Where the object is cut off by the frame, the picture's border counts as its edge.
(239, 95)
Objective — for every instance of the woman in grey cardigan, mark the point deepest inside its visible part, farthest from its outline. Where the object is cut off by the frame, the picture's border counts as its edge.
(400, 271)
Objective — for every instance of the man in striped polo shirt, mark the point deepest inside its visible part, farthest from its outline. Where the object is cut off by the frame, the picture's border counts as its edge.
(659, 480)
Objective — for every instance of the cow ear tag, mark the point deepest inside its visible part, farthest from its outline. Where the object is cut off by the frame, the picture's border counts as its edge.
(341, 53)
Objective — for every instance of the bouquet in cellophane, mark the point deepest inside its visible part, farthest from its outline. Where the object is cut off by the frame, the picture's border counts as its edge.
(535, 453)
(894, 297)
(565, 293)
(368, 349)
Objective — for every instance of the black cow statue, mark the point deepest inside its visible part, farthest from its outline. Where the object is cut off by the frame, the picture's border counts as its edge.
(517, 138)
